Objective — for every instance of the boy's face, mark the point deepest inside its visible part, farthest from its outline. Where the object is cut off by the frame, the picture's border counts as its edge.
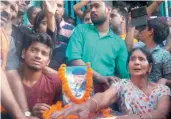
(37, 56)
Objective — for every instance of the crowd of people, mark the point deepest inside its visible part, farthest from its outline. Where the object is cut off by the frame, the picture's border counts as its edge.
(131, 65)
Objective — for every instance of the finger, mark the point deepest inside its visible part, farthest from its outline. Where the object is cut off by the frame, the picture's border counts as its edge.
(70, 111)
(38, 113)
(57, 114)
(107, 83)
(43, 105)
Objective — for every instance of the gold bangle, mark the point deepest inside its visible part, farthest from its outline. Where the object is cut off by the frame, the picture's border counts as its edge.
(94, 100)
(150, 116)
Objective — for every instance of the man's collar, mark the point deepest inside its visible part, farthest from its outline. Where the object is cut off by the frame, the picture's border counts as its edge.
(154, 49)
(110, 33)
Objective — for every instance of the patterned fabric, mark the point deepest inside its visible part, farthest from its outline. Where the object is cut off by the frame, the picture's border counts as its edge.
(133, 101)
(65, 31)
(161, 67)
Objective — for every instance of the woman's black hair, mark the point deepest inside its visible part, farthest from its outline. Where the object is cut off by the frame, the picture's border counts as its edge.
(145, 52)
(39, 17)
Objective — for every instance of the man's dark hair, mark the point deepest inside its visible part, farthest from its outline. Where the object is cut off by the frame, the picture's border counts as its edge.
(41, 38)
(121, 4)
(161, 29)
(30, 11)
(108, 3)
(146, 52)
(39, 17)
(122, 12)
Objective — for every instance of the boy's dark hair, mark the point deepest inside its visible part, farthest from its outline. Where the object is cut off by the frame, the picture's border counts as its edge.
(145, 52)
(30, 11)
(161, 29)
(39, 17)
(41, 38)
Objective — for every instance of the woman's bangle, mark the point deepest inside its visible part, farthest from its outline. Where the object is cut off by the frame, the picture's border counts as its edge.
(150, 116)
(94, 100)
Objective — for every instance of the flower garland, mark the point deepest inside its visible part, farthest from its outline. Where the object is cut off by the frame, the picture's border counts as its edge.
(57, 107)
(66, 88)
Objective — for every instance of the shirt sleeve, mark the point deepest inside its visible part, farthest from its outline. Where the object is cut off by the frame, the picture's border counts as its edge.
(58, 88)
(12, 59)
(75, 46)
(164, 91)
(122, 61)
(167, 66)
(52, 35)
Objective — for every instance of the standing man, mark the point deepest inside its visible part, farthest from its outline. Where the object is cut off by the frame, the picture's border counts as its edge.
(64, 28)
(98, 45)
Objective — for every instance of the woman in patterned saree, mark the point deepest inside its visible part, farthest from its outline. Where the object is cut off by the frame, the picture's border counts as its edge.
(137, 98)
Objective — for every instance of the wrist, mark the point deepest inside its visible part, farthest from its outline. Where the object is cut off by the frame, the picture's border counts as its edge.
(50, 13)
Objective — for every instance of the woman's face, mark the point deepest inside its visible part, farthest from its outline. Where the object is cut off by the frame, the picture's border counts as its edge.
(138, 64)
(43, 26)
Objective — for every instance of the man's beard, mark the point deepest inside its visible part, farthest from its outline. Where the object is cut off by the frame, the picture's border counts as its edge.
(34, 68)
(99, 21)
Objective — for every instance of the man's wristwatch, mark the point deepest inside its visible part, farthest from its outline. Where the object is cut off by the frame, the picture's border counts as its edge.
(27, 113)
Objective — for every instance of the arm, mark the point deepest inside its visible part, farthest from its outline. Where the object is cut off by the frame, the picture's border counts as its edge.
(84, 110)
(77, 8)
(161, 111)
(81, 62)
(96, 75)
(49, 71)
(153, 7)
(17, 88)
(130, 38)
(8, 100)
(122, 61)
(50, 9)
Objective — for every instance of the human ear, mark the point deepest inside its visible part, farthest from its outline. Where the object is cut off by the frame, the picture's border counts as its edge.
(150, 68)
(23, 54)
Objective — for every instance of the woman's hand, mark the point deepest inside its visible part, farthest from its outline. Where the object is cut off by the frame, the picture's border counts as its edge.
(81, 110)
(50, 6)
